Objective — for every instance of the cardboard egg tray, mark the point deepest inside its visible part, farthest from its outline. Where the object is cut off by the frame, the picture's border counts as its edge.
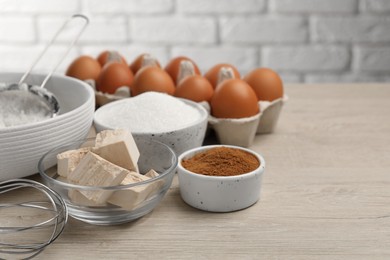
(104, 98)
(230, 131)
(242, 131)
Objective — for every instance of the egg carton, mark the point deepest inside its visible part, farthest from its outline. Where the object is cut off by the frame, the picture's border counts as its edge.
(104, 98)
(270, 114)
(242, 131)
(230, 131)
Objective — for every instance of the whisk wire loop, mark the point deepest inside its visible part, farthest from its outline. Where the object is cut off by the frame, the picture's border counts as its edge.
(53, 205)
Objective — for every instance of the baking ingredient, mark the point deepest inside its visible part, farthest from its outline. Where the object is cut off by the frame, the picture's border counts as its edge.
(152, 78)
(234, 98)
(213, 73)
(79, 199)
(67, 161)
(150, 112)
(113, 76)
(85, 167)
(173, 67)
(135, 176)
(266, 83)
(109, 56)
(151, 173)
(222, 161)
(195, 88)
(96, 171)
(144, 60)
(19, 107)
(84, 68)
(132, 197)
(191, 86)
(118, 147)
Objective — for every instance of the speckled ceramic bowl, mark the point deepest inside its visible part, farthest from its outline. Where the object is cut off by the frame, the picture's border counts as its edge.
(179, 139)
(219, 193)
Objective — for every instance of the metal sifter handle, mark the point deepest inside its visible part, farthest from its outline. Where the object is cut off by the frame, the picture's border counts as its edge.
(50, 44)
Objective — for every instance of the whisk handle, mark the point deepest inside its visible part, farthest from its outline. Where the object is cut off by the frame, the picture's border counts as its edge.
(85, 18)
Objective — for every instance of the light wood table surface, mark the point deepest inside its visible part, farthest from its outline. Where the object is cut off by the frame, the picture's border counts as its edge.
(325, 193)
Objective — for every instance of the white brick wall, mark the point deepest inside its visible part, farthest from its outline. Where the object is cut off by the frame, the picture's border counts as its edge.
(260, 30)
(307, 58)
(304, 40)
(24, 34)
(172, 30)
(314, 6)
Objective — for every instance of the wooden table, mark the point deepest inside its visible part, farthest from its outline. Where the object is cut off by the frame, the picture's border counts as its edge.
(325, 194)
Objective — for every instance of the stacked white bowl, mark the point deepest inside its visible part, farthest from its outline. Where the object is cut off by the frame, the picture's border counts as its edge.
(22, 146)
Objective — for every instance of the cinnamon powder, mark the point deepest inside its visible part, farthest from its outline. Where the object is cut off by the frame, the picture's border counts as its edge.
(221, 161)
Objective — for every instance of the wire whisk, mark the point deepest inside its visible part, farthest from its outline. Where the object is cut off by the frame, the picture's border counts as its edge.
(39, 222)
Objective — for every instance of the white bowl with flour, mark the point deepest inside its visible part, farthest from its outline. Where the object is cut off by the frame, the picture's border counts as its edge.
(179, 123)
(21, 146)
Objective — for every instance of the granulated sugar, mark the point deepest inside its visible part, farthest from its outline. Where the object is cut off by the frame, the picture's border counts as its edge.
(150, 112)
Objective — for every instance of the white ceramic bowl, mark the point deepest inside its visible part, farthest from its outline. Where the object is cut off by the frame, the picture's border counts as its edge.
(180, 140)
(219, 193)
(22, 146)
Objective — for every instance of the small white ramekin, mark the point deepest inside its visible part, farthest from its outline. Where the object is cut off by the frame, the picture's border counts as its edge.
(219, 193)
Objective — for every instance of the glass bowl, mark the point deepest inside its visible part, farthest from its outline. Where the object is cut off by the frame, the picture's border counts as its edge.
(137, 199)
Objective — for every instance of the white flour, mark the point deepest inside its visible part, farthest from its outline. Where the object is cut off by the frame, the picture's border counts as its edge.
(21, 107)
(149, 112)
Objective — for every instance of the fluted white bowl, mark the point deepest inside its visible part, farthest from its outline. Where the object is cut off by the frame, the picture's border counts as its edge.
(22, 146)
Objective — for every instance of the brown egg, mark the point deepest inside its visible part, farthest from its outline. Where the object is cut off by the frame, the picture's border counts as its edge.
(107, 56)
(234, 98)
(266, 83)
(83, 68)
(212, 74)
(174, 65)
(195, 88)
(140, 61)
(113, 76)
(152, 78)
